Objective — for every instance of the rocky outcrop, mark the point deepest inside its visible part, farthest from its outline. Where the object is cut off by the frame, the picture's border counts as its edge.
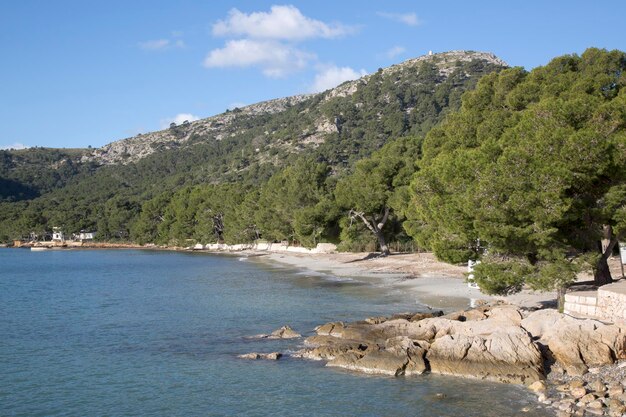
(574, 344)
(484, 343)
(499, 343)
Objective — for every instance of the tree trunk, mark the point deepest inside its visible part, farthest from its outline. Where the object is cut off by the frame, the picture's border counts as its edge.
(375, 227)
(601, 273)
(384, 249)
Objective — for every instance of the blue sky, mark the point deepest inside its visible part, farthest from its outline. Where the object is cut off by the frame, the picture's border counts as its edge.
(80, 73)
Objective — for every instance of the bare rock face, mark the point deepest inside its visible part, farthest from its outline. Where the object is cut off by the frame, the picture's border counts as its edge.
(576, 344)
(506, 355)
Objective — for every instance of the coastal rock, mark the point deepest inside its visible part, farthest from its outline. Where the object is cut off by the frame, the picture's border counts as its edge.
(284, 332)
(328, 347)
(380, 362)
(576, 344)
(538, 386)
(273, 356)
(499, 356)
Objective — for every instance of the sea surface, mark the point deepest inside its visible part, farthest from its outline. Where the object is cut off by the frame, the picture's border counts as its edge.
(147, 333)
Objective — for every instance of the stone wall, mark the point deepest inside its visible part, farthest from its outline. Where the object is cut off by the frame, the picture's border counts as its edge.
(608, 303)
(612, 302)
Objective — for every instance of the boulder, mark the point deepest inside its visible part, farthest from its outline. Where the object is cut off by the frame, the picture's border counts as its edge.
(503, 356)
(576, 344)
(284, 332)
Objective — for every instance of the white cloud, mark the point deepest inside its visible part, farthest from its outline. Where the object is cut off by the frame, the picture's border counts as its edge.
(178, 119)
(161, 44)
(154, 45)
(332, 76)
(395, 51)
(274, 58)
(282, 22)
(410, 19)
(14, 146)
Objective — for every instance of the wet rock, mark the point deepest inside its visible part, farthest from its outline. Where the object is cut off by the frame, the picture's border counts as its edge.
(380, 362)
(273, 356)
(284, 332)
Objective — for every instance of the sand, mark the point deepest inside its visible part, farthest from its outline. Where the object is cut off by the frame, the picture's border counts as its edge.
(433, 283)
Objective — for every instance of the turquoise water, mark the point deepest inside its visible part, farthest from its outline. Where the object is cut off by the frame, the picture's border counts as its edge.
(141, 333)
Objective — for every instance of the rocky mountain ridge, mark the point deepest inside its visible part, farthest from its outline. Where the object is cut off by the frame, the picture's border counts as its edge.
(221, 126)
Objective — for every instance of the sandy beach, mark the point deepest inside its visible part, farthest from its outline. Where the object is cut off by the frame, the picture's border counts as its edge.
(434, 283)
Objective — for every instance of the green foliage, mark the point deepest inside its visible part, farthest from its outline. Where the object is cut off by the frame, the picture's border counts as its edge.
(532, 165)
(132, 201)
(502, 277)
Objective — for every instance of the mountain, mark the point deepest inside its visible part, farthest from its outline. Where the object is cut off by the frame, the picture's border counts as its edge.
(247, 145)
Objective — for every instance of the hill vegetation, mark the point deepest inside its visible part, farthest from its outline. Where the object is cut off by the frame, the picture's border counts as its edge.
(524, 171)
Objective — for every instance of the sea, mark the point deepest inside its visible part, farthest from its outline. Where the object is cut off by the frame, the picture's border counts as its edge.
(155, 333)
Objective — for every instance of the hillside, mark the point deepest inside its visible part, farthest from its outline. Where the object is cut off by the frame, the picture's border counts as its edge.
(337, 127)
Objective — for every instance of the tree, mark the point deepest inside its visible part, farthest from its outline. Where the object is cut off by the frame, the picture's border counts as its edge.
(533, 167)
(369, 193)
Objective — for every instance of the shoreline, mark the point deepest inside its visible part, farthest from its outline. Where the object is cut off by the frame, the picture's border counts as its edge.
(432, 283)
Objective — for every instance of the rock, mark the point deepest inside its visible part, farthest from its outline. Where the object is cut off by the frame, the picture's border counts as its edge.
(578, 392)
(538, 386)
(380, 362)
(328, 328)
(284, 332)
(615, 391)
(329, 347)
(506, 314)
(577, 383)
(595, 404)
(422, 316)
(586, 399)
(504, 355)
(273, 356)
(594, 412)
(376, 320)
(596, 385)
(616, 405)
(576, 344)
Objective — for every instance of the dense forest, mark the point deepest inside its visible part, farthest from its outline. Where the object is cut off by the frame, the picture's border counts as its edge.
(524, 171)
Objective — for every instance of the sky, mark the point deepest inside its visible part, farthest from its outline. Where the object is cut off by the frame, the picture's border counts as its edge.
(86, 73)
